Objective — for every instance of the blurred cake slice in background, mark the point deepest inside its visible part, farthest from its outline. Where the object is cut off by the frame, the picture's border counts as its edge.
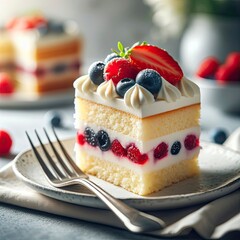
(46, 54)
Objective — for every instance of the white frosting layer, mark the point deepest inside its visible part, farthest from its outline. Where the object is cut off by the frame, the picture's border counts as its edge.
(144, 147)
(139, 102)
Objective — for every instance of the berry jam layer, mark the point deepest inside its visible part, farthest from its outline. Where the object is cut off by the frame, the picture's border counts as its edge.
(137, 155)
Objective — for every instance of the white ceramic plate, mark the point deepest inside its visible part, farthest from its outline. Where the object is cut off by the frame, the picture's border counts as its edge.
(28, 101)
(220, 175)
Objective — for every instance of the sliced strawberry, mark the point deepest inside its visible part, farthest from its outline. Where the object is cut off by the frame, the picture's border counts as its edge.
(148, 56)
(118, 69)
(207, 67)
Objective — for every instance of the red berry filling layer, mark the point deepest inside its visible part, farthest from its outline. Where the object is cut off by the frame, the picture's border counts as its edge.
(131, 151)
(57, 69)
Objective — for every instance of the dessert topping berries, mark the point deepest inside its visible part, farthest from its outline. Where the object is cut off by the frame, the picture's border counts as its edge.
(95, 72)
(103, 140)
(124, 85)
(80, 138)
(135, 155)
(176, 147)
(153, 57)
(118, 69)
(161, 151)
(149, 79)
(118, 149)
(90, 136)
(191, 141)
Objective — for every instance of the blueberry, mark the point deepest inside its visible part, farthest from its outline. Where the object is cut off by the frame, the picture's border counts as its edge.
(103, 140)
(42, 30)
(90, 136)
(55, 26)
(218, 135)
(110, 57)
(176, 147)
(124, 85)
(59, 68)
(149, 79)
(54, 118)
(95, 72)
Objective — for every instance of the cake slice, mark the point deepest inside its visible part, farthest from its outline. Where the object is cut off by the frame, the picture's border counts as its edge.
(137, 120)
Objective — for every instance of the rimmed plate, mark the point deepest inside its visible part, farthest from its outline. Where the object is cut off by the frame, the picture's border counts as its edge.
(19, 99)
(219, 175)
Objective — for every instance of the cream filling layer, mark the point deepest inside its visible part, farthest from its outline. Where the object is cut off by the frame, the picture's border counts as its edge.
(31, 65)
(51, 77)
(144, 147)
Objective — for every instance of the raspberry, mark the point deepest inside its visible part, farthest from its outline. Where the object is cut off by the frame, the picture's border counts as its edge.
(160, 151)
(118, 69)
(5, 143)
(233, 60)
(208, 67)
(6, 86)
(134, 155)
(80, 138)
(118, 149)
(26, 22)
(226, 74)
(191, 141)
(143, 159)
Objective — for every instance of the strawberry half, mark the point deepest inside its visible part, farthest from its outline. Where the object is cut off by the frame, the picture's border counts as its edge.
(148, 56)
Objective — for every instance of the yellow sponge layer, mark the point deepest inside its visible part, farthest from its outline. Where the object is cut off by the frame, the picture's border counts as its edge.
(142, 129)
(141, 184)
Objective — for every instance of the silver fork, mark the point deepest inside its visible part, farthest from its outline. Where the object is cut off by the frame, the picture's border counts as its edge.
(69, 174)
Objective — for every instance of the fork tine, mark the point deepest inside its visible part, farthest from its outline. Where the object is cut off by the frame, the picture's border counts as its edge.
(70, 160)
(53, 165)
(40, 160)
(61, 161)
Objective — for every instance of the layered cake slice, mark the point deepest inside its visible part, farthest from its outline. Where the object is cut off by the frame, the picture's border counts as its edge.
(45, 53)
(137, 118)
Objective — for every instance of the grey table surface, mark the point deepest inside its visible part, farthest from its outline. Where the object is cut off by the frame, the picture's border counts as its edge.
(20, 223)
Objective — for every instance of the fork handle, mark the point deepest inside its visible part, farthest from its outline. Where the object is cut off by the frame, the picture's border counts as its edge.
(133, 219)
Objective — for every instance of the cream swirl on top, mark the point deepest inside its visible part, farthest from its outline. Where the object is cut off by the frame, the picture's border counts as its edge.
(84, 85)
(107, 90)
(137, 96)
(188, 88)
(168, 92)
